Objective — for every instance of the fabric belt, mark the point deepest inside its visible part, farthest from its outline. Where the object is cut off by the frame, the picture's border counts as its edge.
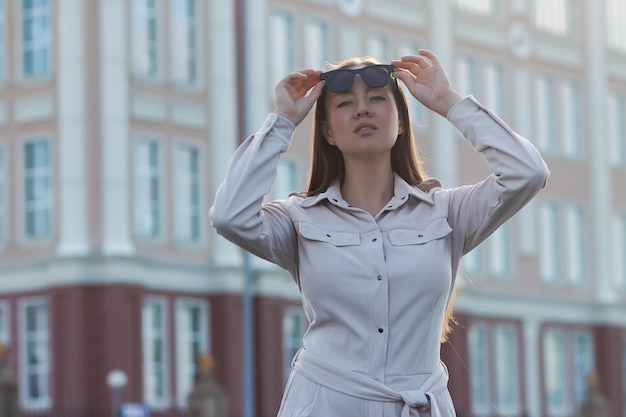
(360, 386)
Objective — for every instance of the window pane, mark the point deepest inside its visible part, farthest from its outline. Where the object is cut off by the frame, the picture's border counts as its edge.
(616, 113)
(553, 16)
(575, 244)
(144, 37)
(549, 243)
(544, 114)
(477, 6)
(183, 41)
(294, 326)
(37, 359)
(378, 47)
(37, 190)
(479, 368)
(281, 39)
(500, 252)
(191, 342)
(36, 38)
(147, 189)
(615, 28)
(583, 364)
(3, 199)
(555, 376)
(316, 52)
(570, 120)
(187, 192)
(154, 335)
(507, 371)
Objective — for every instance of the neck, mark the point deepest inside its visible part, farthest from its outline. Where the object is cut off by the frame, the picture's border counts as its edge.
(368, 185)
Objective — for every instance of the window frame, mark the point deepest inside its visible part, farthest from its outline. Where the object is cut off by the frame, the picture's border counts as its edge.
(153, 46)
(154, 173)
(46, 400)
(165, 401)
(49, 41)
(24, 176)
(204, 342)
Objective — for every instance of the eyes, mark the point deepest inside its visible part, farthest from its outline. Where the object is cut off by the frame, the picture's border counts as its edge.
(345, 102)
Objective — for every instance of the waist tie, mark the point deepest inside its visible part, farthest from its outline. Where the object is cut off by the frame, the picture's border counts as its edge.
(360, 386)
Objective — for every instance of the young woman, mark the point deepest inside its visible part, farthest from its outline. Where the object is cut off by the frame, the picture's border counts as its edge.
(373, 244)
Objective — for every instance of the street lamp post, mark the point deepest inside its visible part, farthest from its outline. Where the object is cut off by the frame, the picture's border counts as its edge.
(116, 380)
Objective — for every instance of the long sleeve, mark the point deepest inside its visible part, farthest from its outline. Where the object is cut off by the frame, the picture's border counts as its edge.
(238, 212)
(518, 174)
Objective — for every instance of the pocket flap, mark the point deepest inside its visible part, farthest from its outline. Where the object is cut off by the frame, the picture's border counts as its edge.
(311, 232)
(434, 230)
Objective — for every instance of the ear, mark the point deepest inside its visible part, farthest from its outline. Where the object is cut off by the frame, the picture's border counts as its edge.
(327, 134)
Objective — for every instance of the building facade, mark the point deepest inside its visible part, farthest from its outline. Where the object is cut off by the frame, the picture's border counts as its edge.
(117, 121)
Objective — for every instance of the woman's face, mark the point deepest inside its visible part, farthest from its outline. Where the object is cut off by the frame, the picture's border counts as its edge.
(363, 121)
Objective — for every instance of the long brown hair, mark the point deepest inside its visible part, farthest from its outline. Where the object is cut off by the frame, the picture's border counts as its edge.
(327, 161)
(327, 164)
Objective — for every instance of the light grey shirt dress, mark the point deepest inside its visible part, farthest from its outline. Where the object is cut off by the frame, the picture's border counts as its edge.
(374, 289)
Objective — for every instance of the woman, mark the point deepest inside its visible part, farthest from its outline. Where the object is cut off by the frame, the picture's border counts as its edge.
(373, 245)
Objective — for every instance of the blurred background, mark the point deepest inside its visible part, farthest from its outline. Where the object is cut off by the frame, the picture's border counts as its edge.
(117, 121)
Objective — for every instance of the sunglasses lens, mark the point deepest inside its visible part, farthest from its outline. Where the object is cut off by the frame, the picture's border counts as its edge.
(376, 76)
(340, 80)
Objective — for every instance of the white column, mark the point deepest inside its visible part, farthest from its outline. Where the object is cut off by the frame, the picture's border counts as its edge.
(532, 366)
(73, 234)
(222, 82)
(114, 138)
(441, 35)
(600, 164)
(256, 56)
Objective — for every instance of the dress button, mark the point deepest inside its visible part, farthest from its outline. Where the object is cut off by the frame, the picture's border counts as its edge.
(380, 277)
(380, 330)
(374, 240)
(420, 235)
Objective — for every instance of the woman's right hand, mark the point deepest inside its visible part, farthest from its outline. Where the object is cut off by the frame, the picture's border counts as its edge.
(292, 101)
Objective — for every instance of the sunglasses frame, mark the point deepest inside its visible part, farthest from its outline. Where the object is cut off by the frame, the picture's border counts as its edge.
(328, 76)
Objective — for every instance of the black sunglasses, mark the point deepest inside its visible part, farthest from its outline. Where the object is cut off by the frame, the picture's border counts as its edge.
(374, 76)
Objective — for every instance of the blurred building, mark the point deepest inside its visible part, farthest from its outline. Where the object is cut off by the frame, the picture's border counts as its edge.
(117, 120)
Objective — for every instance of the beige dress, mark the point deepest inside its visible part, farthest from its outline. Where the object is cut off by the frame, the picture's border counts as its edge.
(374, 288)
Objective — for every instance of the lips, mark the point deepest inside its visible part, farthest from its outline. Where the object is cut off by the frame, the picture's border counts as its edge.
(365, 127)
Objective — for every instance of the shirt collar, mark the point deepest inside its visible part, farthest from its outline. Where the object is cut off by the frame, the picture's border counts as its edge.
(402, 190)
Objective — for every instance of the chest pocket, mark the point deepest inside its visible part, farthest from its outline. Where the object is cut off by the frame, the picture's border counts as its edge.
(436, 229)
(311, 232)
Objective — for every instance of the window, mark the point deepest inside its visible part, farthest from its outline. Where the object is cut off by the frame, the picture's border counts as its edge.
(494, 88)
(154, 332)
(479, 368)
(191, 343)
(285, 181)
(555, 377)
(575, 244)
(37, 189)
(282, 51)
(378, 47)
(316, 47)
(5, 324)
(553, 16)
(36, 38)
(472, 263)
(147, 189)
(484, 7)
(500, 253)
(549, 243)
(507, 369)
(544, 114)
(3, 43)
(187, 193)
(568, 359)
(417, 110)
(619, 249)
(144, 38)
(294, 326)
(615, 29)
(466, 75)
(570, 120)
(35, 355)
(184, 41)
(616, 113)
(3, 196)
(583, 353)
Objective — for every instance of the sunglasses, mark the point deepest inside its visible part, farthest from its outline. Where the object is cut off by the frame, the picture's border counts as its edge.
(374, 76)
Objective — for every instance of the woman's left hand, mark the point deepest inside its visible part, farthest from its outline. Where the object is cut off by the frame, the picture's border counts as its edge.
(427, 81)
